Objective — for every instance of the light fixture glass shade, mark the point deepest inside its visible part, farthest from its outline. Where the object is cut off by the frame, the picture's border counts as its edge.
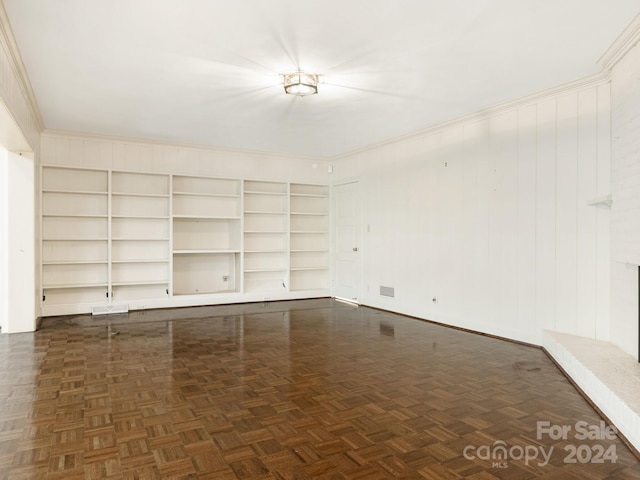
(300, 83)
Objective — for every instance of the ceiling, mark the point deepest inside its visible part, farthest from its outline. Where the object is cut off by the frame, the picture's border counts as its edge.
(207, 72)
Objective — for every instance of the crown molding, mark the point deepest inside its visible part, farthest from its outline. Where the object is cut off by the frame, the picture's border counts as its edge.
(15, 59)
(594, 80)
(621, 45)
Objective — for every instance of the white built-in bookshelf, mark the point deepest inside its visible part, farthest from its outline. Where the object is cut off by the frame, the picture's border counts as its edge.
(266, 223)
(206, 235)
(309, 236)
(75, 236)
(139, 238)
(153, 240)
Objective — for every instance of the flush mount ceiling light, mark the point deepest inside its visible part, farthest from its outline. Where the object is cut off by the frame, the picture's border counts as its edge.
(300, 83)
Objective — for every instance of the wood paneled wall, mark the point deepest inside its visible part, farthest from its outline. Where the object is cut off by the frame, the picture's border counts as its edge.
(492, 217)
(625, 181)
(86, 151)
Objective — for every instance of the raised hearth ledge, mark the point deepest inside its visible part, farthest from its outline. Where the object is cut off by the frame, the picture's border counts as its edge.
(606, 374)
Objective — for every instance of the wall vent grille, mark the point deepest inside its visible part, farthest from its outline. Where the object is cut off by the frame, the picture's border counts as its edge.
(109, 309)
(387, 291)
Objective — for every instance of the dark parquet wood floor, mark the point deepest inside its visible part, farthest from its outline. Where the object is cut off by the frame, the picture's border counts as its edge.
(288, 390)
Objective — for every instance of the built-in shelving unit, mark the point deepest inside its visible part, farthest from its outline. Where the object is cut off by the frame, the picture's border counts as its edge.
(266, 262)
(309, 237)
(140, 217)
(206, 235)
(75, 236)
(145, 240)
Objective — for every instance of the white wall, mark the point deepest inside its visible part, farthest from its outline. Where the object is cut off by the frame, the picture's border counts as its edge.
(625, 148)
(17, 245)
(491, 216)
(4, 240)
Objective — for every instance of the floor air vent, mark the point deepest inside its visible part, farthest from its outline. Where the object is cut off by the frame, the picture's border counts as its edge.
(108, 309)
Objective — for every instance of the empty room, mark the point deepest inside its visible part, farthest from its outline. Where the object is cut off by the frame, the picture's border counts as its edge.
(319, 240)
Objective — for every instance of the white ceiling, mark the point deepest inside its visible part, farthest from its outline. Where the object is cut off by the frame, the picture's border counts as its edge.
(207, 71)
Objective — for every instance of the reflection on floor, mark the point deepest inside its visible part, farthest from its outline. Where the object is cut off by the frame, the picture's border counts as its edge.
(290, 390)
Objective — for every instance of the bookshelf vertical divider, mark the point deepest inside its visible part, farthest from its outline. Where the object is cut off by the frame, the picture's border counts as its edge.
(109, 295)
(170, 288)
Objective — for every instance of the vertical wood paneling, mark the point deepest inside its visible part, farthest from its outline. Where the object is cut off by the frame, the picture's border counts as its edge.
(495, 240)
(62, 156)
(450, 252)
(48, 148)
(505, 234)
(481, 241)
(566, 213)
(394, 192)
(587, 226)
(401, 280)
(90, 154)
(503, 257)
(146, 158)
(158, 158)
(425, 194)
(469, 231)
(414, 239)
(510, 195)
(132, 157)
(204, 163)
(76, 156)
(546, 215)
(183, 161)
(604, 139)
(527, 156)
(106, 154)
(603, 216)
(430, 165)
(625, 190)
(625, 147)
(170, 160)
(118, 156)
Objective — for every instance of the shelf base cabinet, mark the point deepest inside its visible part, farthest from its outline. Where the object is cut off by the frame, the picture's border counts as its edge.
(145, 240)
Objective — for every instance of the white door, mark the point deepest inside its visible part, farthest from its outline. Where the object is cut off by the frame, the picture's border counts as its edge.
(347, 254)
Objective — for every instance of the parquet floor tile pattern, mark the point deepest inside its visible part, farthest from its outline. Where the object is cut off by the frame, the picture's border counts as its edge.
(290, 391)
